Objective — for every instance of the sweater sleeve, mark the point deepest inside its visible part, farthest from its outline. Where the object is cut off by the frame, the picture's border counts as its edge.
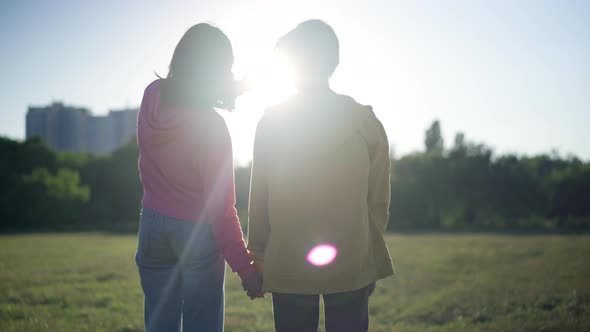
(379, 174)
(219, 185)
(258, 221)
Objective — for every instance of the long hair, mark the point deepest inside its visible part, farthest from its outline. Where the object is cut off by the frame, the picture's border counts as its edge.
(200, 73)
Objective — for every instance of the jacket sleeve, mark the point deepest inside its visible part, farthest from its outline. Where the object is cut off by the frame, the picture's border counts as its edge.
(379, 174)
(218, 179)
(258, 221)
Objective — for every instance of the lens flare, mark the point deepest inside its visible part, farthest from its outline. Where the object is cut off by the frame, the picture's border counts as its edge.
(273, 79)
(322, 255)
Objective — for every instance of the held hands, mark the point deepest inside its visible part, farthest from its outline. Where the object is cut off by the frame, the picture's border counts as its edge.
(252, 284)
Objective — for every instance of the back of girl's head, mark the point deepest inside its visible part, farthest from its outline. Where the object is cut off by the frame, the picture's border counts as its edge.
(200, 74)
(313, 48)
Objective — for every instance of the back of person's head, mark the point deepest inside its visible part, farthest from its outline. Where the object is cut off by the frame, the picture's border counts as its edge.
(200, 73)
(312, 48)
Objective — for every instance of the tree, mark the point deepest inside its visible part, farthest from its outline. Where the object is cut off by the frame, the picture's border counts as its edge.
(433, 139)
(116, 189)
(51, 201)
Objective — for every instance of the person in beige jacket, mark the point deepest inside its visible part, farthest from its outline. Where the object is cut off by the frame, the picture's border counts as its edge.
(319, 195)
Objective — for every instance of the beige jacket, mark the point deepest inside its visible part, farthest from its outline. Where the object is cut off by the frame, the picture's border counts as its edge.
(320, 175)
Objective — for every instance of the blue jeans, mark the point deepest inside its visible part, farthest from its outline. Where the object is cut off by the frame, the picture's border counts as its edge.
(182, 274)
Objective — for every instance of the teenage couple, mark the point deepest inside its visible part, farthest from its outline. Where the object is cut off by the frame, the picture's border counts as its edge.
(319, 194)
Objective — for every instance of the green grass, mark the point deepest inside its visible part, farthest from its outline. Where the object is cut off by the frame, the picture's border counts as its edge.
(85, 282)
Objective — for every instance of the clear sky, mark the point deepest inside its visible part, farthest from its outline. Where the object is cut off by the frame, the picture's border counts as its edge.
(512, 74)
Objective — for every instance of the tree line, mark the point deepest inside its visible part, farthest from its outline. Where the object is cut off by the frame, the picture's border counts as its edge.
(462, 187)
(467, 187)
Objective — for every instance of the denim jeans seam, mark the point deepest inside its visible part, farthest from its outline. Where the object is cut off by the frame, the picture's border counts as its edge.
(146, 234)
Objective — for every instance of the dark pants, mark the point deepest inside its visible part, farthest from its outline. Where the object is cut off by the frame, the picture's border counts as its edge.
(344, 312)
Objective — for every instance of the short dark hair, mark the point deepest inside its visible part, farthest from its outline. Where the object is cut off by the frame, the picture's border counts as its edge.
(200, 73)
(313, 48)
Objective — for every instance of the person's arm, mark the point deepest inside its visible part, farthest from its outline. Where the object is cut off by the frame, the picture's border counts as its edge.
(218, 179)
(379, 174)
(258, 222)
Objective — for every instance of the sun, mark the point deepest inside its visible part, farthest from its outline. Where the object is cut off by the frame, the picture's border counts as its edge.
(272, 81)
(267, 80)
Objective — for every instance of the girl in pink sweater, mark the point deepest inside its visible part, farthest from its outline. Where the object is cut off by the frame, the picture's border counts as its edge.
(188, 222)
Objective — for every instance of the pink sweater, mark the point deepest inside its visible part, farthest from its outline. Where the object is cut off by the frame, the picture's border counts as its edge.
(186, 168)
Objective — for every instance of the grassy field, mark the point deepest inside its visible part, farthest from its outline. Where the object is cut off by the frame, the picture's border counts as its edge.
(445, 283)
